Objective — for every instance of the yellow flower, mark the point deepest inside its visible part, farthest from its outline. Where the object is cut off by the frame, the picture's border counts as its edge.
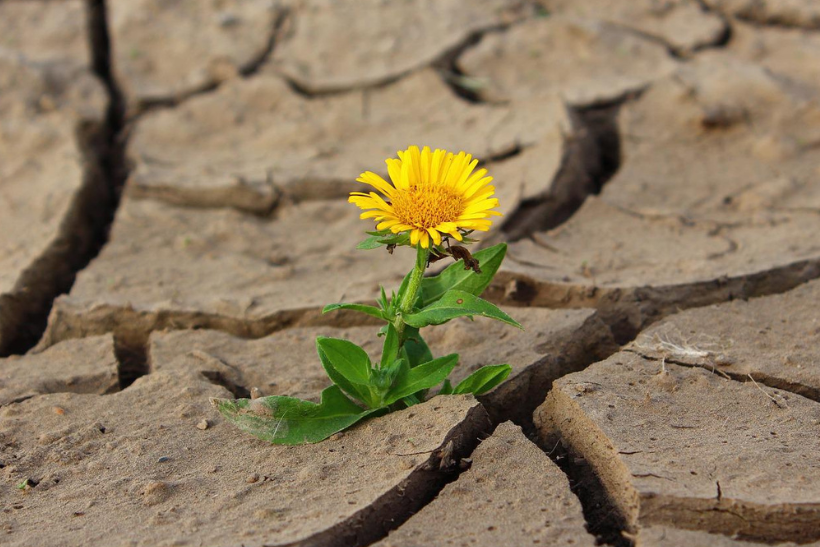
(433, 193)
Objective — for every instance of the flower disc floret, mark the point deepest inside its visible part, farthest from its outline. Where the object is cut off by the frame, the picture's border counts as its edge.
(432, 193)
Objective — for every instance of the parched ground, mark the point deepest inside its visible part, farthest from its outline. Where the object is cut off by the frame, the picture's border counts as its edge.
(173, 216)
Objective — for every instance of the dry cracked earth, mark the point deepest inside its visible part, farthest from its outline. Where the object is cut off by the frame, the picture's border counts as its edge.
(173, 179)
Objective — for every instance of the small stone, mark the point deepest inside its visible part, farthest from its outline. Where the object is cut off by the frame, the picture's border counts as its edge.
(252, 478)
(256, 393)
(585, 387)
(227, 19)
(163, 459)
(203, 425)
(58, 410)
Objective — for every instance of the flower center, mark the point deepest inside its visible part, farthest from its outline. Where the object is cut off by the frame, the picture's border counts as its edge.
(427, 206)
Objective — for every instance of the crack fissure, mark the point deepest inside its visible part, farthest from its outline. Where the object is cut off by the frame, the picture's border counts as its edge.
(245, 71)
(603, 518)
(628, 310)
(84, 230)
(445, 63)
(592, 156)
(398, 505)
(809, 392)
(132, 328)
(451, 73)
(678, 53)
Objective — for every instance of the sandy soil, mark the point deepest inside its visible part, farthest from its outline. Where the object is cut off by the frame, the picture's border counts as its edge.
(173, 182)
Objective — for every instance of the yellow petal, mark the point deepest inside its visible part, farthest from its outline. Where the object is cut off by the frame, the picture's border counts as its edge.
(405, 172)
(456, 169)
(387, 224)
(425, 239)
(363, 202)
(477, 186)
(412, 156)
(479, 207)
(425, 162)
(446, 164)
(472, 179)
(465, 174)
(376, 182)
(394, 170)
(435, 166)
(381, 203)
(482, 194)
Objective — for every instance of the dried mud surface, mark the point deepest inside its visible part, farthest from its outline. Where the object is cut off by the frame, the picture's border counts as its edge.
(173, 183)
(52, 109)
(485, 507)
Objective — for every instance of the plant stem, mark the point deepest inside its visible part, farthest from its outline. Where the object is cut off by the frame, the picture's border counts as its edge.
(409, 297)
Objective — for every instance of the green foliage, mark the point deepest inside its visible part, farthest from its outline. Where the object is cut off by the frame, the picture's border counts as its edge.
(285, 420)
(369, 310)
(482, 380)
(348, 366)
(456, 304)
(382, 238)
(455, 276)
(415, 349)
(412, 380)
(406, 369)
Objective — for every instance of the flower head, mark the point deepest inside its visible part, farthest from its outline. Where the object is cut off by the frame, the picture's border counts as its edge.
(432, 193)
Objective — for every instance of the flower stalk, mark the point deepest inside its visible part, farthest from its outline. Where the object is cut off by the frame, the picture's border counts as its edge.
(410, 295)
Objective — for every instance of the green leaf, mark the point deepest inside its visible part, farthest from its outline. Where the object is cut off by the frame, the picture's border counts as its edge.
(402, 289)
(456, 304)
(456, 277)
(390, 348)
(348, 366)
(382, 300)
(369, 310)
(370, 243)
(411, 400)
(483, 380)
(415, 349)
(286, 420)
(384, 237)
(386, 377)
(446, 388)
(413, 380)
(402, 238)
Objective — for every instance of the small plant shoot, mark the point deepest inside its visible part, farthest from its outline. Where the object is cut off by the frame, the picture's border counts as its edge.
(434, 202)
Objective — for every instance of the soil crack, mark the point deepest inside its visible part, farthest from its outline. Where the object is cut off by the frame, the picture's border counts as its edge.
(247, 70)
(594, 135)
(84, 230)
(394, 508)
(807, 391)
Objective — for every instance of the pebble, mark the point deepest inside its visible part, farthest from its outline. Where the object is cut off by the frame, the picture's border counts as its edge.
(254, 477)
(203, 425)
(163, 459)
(58, 410)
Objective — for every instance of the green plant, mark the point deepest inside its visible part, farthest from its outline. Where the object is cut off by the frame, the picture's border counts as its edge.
(443, 200)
